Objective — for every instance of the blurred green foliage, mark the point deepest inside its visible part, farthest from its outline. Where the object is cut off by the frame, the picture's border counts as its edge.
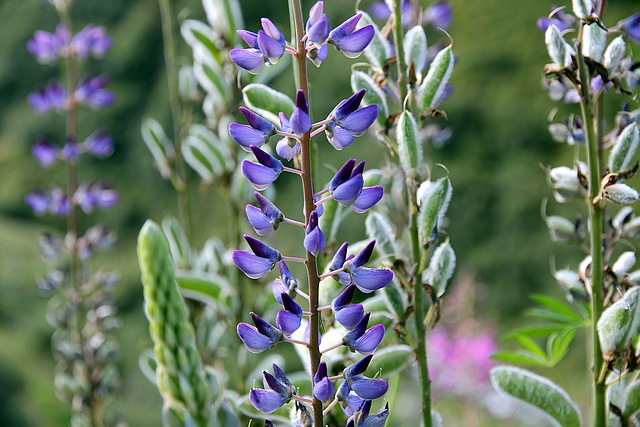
(497, 112)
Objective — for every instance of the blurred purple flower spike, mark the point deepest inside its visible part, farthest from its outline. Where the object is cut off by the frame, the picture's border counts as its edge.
(631, 27)
(44, 152)
(439, 14)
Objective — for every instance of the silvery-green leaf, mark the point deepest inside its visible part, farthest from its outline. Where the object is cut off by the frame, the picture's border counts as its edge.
(441, 267)
(187, 83)
(159, 144)
(632, 297)
(207, 288)
(632, 228)
(389, 360)
(378, 50)
(178, 242)
(147, 363)
(225, 17)
(396, 302)
(199, 35)
(432, 88)
(409, 144)
(213, 380)
(436, 418)
(614, 53)
(379, 227)
(582, 8)
(620, 194)
(210, 258)
(624, 149)
(372, 177)
(538, 392)
(415, 48)
(374, 94)
(210, 77)
(433, 199)
(226, 416)
(557, 47)
(594, 40)
(267, 102)
(205, 153)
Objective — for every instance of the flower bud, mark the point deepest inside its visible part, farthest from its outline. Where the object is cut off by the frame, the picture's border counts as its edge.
(432, 88)
(620, 194)
(570, 282)
(625, 148)
(373, 95)
(623, 264)
(594, 41)
(634, 278)
(614, 54)
(561, 229)
(409, 144)
(582, 8)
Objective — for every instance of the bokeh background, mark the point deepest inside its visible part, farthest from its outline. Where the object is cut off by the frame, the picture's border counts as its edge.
(497, 112)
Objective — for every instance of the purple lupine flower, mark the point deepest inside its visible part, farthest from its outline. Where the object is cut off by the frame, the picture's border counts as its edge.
(365, 388)
(323, 389)
(367, 279)
(286, 283)
(44, 152)
(91, 40)
(264, 172)
(368, 197)
(349, 401)
(349, 40)
(287, 148)
(278, 390)
(258, 263)
(53, 201)
(91, 196)
(318, 26)
(338, 262)
(250, 59)
(363, 340)
(257, 132)
(347, 121)
(560, 19)
(438, 14)
(260, 337)
(267, 46)
(300, 121)
(631, 27)
(265, 218)
(362, 418)
(347, 183)
(52, 97)
(45, 46)
(99, 144)
(91, 92)
(289, 319)
(347, 314)
(38, 201)
(70, 151)
(314, 240)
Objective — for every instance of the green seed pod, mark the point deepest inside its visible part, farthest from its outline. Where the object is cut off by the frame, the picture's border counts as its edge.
(625, 148)
(561, 229)
(433, 199)
(409, 144)
(378, 50)
(432, 87)
(634, 278)
(441, 267)
(594, 40)
(374, 94)
(415, 49)
(379, 227)
(582, 8)
(179, 372)
(615, 52)
(623, 264)
(632, 401)
(565, 183)
(614, 326)
(620, 194)
(622, 218)
(558, 49)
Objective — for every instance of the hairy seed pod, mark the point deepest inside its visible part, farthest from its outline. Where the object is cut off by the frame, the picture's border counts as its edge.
(432, 88)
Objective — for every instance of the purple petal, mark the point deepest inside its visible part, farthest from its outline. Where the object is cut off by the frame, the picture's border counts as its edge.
(439, 14)
(339, 258)
(249, 37)
(287, 148)
(344, 299)
(265, 401)
(371, 279)
(368, 388)
(631, 26)
(290, 305)
(315, 241)
(348, 106)
(247, 136)
(38, 202)
(44, 47)
(287, 322)
(258, 220)
(251, 265)
(350, 315)
(272, 31)
(251, 60)
(379, 10)
(319, 31)
(315, 13)
(99, 143)
(260, 176)
(338, 137)
(353, 45)
(44, 152)
(368, 197)
(347, 193)
(257, 122)
(323, 390)
(70, 151)
(278, 288)
(368, 342)
(344, 29)
(357, 368)
(252, 339)
(270, 47)
(363, 256)
(262, 250)
(266, 159)
(342, 175)
(358, 122)
(300, 122)
(266, 329)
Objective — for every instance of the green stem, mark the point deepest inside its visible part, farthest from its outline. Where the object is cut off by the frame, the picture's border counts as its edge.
(307, 186)
(596, 219)
(166, 16)
(398, 41)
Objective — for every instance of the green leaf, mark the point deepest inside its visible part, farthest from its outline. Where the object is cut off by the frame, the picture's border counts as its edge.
(178, 243)
(147, 363)
(205, 153)
(211, 78)
(159, 145)
(613, 327)
(532, 346)
(267, 102)
(377, 52)
(215, 386)
(395, 300)
(380, 228)
(538, 392)
(558, 306)
(409, 144)
(206, 288)
(432, 88)
(521, 356)
(632, 403)
(199, 35)
(227, 417)
(550, 315)
(533, 331)
(390, 360)
(558, 344)
(374, 94)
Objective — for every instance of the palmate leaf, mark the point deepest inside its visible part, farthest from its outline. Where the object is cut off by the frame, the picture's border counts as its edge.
(557, 306)
(531, 346)
(522, 357)
(558, 344)
(538, 392)
(536, 331)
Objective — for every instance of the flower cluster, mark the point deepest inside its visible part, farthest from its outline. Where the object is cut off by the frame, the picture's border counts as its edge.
(294, 324)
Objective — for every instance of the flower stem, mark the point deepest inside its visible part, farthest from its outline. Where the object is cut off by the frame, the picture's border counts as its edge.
(307, 186)
(397, 41)
(596, 219)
